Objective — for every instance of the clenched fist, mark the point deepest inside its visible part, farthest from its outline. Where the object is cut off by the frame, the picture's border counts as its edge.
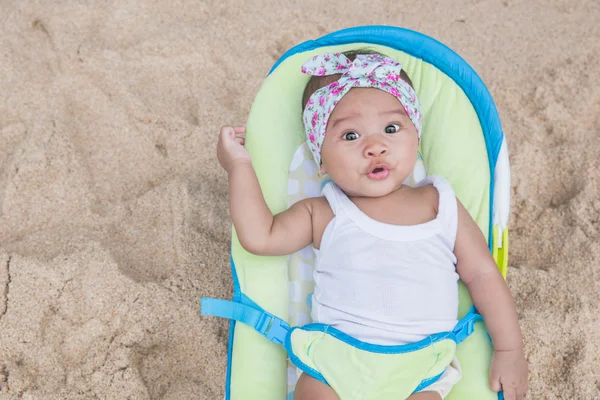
(230, 147)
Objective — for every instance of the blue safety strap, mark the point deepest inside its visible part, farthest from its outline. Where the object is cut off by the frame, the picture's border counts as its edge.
(466, 325)
(273, 328)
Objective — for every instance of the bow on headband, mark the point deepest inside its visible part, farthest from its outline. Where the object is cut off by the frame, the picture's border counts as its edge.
(367, 70)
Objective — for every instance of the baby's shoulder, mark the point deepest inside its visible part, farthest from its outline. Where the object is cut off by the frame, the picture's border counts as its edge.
(320, 207)
(321, 215)
(427, 195)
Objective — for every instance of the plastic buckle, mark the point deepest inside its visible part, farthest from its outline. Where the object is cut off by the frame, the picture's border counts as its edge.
(466, 327)
(274, 329)
(278, 331)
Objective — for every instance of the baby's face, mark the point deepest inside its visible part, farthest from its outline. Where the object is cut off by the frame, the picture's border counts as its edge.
(370, 145)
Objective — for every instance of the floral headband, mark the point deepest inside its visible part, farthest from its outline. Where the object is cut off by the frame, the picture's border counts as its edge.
(367, 70)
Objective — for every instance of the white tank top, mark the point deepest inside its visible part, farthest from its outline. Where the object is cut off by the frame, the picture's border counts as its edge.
(387, 284)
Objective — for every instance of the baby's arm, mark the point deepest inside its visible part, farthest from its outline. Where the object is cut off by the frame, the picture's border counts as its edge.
(492, 298)
(258, 231)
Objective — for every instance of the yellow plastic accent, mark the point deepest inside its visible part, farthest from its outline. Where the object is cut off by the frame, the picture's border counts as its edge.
(494, 241)
(500, 254)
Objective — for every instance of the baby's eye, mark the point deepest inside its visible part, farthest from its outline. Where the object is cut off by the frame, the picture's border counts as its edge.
(350, 136)
(392, 128)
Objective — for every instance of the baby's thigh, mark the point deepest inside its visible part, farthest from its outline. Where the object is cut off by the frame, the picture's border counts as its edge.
(425, 396)
(308, 388)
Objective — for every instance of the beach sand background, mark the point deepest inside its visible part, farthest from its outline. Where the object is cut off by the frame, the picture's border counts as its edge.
(114, 220)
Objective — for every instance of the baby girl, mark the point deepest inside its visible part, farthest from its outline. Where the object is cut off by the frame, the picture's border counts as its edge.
(388, 256)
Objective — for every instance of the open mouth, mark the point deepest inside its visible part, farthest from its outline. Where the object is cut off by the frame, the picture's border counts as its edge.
(378, 173)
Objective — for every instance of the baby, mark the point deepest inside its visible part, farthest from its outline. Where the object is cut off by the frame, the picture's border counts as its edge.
(388, 256)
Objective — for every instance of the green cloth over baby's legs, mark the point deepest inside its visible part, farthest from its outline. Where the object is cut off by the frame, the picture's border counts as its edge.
(360, 371)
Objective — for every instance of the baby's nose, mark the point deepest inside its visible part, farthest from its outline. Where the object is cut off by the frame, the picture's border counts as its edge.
(375, 149)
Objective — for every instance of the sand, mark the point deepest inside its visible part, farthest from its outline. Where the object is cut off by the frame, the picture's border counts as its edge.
(114, 221)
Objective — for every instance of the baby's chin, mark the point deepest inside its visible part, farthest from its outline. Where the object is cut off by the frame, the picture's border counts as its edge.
(369, 188)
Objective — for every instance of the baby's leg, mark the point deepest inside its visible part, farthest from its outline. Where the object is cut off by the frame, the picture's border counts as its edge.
(308, 388)
(425, 396)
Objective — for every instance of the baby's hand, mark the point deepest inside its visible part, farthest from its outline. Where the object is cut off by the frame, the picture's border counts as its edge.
(230, 147)
(508, 373)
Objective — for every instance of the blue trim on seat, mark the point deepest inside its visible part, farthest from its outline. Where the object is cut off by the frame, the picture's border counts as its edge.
(442, 57)
(237, 292)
